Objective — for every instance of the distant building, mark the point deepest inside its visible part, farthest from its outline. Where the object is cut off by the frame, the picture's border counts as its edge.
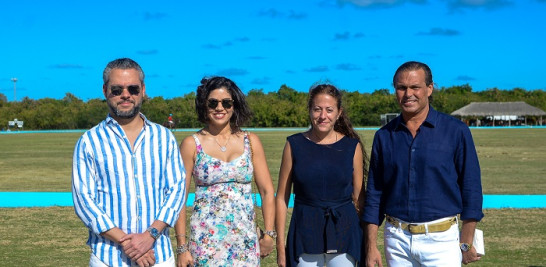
(499, 113)
(17, 124)
(385, 118)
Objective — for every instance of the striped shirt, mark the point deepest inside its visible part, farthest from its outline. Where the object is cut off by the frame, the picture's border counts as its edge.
(116, 186)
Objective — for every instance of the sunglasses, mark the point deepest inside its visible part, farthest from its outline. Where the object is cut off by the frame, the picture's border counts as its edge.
(118, 90)
(226, 103)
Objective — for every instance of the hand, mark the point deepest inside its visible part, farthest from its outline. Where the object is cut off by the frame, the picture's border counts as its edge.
(184, 259)
(373, 257)
(147, 260)
(470, 256)
(136, 245)
(281, 258)
(266, 245)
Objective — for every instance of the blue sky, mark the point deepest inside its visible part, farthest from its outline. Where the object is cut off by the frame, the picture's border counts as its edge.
(55, 47)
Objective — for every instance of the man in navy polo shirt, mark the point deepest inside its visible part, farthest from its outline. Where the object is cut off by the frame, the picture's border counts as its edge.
(424, 171)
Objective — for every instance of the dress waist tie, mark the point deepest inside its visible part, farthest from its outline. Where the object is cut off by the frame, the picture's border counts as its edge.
(331, 214)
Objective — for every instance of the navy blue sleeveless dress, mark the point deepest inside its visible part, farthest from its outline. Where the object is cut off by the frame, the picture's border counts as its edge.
(324, 219)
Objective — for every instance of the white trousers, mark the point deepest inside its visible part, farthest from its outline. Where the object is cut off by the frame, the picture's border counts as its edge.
(326, 259)
(430, 249)
(96, 262)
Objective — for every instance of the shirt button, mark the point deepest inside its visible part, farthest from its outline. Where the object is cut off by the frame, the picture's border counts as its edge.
(413, 150)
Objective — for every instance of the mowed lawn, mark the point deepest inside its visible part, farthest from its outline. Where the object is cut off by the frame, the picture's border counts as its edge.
(513, 161)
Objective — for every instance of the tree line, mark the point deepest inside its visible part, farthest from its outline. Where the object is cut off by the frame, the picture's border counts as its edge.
(283, 108)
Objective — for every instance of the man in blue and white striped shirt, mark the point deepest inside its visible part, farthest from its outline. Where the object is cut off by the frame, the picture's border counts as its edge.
(128, 179)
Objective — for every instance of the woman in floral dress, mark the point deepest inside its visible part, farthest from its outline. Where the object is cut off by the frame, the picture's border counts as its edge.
(222, 160)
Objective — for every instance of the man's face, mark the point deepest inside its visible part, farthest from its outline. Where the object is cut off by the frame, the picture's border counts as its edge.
(124, 93)
(412, 92)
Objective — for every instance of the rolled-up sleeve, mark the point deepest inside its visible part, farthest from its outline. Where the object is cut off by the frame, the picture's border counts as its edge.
(84, 190)
(469, 180)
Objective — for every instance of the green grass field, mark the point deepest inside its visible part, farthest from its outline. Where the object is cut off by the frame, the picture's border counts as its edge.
(512, 161)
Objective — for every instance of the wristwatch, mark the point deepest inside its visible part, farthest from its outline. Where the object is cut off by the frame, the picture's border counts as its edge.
(271, 233)
(465, 246)
(153, 232)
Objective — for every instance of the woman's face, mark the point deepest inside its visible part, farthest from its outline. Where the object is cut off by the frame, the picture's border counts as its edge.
(219, 107)
(324, 113)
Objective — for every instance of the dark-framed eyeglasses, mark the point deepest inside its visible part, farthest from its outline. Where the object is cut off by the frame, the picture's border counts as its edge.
(118, 90)
(226, 103)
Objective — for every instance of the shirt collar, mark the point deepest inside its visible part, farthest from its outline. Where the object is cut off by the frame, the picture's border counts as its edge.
(110, 120)
(430, 121)
(432, 117)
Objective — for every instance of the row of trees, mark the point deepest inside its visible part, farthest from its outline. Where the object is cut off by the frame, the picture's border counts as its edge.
(284, 108)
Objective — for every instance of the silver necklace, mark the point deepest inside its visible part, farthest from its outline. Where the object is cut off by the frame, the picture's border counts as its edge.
(224, 147)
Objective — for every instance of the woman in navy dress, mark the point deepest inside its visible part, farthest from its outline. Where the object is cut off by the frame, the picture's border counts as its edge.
(326, 166)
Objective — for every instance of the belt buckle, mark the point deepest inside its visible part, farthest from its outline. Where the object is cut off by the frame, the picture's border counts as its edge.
(391, 220)
(410, 225)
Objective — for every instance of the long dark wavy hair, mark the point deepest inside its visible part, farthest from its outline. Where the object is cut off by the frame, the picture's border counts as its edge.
(241, 111)
(343, 124)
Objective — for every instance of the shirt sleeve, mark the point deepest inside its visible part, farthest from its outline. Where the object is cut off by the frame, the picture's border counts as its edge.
(373, 209)
(84, 190)
(468, 168)
(175, 176)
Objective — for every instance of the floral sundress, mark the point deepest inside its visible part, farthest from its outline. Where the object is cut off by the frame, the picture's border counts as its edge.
(222, 222)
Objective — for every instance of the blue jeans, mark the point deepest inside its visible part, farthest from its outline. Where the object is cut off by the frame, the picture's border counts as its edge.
(430, 249)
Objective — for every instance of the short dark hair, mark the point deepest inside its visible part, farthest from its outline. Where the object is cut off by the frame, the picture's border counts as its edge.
(121, 63)
(241, 111)
(414, 65)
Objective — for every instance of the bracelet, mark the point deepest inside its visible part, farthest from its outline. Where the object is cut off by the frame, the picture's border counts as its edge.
(183, 235)
(271, 233)
(182, 249)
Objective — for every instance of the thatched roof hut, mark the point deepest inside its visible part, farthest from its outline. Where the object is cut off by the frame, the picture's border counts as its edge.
(507, 109)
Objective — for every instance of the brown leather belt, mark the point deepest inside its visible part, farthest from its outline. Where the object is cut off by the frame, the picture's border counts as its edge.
(420, 228)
